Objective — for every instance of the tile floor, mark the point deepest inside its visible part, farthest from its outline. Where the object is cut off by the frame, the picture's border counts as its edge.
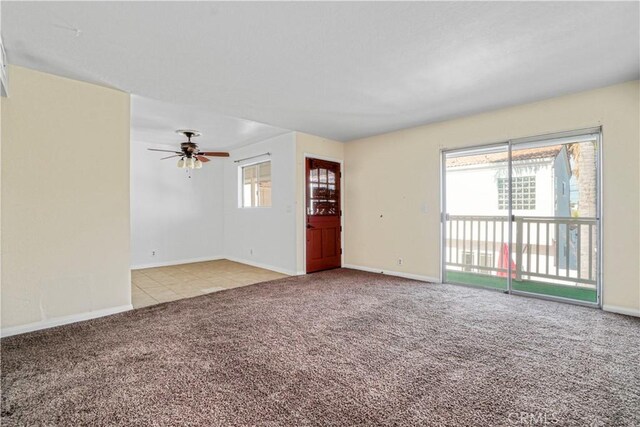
(155, 285)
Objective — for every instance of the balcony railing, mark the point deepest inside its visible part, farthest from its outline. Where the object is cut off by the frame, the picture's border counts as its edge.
(552, 249)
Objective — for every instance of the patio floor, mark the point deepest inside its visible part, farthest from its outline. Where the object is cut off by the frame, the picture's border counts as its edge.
(564, 291)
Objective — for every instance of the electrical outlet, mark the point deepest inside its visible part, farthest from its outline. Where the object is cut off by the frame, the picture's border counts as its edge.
(153, 253)
(251, 251)
(400, 261)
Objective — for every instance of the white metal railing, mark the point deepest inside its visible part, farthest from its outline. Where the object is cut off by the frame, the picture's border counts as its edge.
(555, 249)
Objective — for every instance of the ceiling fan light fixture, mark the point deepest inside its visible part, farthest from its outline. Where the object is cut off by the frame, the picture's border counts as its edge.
(191, 157)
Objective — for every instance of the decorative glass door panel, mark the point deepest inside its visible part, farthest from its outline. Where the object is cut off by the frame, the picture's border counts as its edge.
(324, 196)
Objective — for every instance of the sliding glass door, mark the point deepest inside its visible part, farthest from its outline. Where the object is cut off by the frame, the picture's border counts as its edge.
(476, 226)
(523, 216)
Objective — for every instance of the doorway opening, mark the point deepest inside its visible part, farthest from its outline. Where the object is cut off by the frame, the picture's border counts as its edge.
(523, 216)
(323, 215)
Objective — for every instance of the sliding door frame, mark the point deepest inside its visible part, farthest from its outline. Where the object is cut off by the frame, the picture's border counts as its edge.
(565, 138)
(551, 139)
(443, 208)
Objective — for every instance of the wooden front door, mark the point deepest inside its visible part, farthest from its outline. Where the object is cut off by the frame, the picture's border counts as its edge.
(324, 248)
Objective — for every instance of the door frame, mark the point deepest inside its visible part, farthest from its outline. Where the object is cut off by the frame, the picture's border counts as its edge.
(303, 226)
(596, 130)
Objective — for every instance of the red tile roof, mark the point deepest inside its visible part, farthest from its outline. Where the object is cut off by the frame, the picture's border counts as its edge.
(517, 154)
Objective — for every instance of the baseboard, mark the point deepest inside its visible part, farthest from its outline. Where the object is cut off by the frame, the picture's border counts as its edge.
(394, 273)
(58, 321)
(261, 265)
(622, 310)
(177, 262)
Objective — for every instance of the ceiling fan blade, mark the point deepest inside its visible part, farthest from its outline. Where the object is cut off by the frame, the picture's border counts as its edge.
(164, 151)
(170, 157)
(213, 153)
(203, 159)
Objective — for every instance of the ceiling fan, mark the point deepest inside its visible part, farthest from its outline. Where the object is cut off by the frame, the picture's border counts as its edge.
(190, 155)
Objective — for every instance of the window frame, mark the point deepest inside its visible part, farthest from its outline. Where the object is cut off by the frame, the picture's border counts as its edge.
(255, 204)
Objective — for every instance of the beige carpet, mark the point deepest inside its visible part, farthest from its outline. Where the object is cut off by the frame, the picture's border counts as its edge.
(339, 348)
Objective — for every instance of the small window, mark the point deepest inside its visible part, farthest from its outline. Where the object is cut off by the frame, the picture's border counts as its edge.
(256, 185)
(523, 191)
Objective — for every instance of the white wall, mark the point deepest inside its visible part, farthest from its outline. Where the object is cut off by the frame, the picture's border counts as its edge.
(263, 236)
(473, 190)
(178, 217)
(65, 201)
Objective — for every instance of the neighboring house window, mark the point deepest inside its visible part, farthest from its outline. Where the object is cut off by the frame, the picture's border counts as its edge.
(524, 193)
(256, 185)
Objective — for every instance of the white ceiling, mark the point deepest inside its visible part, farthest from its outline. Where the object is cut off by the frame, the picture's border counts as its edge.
(339, 70)
(155, 122)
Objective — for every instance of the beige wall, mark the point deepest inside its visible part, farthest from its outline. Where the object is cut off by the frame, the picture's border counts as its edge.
(65, 199)
(393, 180)
(313, 146)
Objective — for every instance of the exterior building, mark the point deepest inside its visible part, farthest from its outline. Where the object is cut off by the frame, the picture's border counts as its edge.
(477, 207)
